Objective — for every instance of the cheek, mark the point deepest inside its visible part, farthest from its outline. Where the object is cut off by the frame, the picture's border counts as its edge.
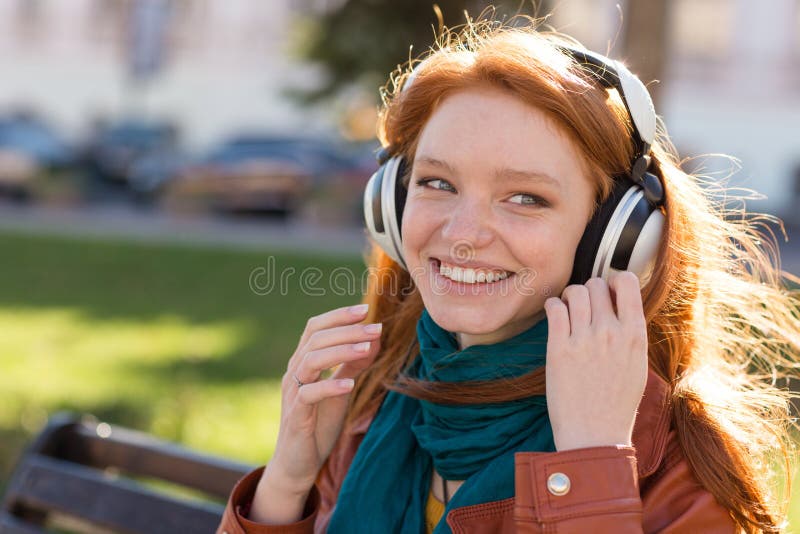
(548, 255)
(415, 230)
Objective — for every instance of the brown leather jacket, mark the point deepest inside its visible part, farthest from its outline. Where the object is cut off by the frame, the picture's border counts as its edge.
(645, 488)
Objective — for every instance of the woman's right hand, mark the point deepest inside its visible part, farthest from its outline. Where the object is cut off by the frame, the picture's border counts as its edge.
(312, 415)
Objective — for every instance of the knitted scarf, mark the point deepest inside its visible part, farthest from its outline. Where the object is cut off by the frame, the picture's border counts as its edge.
(386, 487)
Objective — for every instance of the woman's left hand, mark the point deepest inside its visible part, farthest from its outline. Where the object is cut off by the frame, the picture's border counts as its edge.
(596, 361)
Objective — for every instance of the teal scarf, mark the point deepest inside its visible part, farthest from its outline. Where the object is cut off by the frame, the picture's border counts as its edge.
(387, 485)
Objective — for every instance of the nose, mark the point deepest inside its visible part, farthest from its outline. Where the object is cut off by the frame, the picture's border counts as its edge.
(469, 222)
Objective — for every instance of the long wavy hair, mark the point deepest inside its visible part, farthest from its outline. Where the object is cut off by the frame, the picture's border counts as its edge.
(722, 324)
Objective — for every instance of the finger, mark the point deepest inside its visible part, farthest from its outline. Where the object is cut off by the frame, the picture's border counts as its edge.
(339, 335)
(310, 394)
(580, 312)
(557, 321)
(337, 317)
(353, 368)
(600, 300)
(317, 361)
(628, 295)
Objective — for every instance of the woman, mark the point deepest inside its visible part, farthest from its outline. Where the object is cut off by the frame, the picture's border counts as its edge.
(504, 245)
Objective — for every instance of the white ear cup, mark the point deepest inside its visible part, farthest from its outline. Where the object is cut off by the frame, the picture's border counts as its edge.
(645, 248)
(369, 217)
(643, 258)
(380, 211)
(613, 231)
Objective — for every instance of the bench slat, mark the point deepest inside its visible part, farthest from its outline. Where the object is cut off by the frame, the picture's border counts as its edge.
(142, 454)
(50, 484)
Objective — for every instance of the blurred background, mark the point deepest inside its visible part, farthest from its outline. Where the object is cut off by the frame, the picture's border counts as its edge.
(155, 154)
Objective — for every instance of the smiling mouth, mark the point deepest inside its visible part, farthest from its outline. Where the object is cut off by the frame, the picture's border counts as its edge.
(468, 275)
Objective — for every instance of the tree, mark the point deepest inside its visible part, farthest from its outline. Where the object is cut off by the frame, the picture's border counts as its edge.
(361, 41)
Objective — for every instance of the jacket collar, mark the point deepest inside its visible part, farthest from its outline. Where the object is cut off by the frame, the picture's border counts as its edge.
(649, 431)
(651, 428)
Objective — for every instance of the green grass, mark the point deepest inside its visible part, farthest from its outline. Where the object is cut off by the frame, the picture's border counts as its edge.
(166, 339)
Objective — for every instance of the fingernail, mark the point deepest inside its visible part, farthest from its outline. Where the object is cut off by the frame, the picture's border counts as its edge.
(361, 347)
(345, 383)
(373, 328)
(359, 309)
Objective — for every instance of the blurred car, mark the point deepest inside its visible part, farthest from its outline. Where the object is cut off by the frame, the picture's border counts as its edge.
(112, 150)
(242, 176)
(149, 175)
(29, 148)
(34, 138)
(17, 170)
(339, 170)
(362, 162)
(321, 158)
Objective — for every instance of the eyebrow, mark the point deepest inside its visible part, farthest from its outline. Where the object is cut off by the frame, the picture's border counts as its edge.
(503, 173)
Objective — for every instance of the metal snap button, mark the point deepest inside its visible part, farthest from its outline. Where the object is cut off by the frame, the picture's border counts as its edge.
(558, 484)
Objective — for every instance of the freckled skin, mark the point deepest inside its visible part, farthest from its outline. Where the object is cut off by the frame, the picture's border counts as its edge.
(477, 132)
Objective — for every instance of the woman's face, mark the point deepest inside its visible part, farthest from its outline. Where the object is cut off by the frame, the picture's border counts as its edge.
(498, 187)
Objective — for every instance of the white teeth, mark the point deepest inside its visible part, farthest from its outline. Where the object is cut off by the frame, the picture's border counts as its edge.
(470, 276)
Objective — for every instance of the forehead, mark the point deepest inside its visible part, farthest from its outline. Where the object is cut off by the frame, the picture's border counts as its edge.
(488, 128)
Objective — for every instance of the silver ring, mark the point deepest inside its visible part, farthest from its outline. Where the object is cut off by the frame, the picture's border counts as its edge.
(299, 384)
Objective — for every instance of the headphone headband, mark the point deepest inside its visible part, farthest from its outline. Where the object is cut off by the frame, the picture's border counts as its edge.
(614, 75)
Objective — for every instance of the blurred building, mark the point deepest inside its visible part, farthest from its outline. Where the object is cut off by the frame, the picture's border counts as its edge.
(731, 85)
(221, 66)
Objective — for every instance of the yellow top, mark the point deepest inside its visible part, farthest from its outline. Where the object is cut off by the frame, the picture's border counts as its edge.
(434, 510)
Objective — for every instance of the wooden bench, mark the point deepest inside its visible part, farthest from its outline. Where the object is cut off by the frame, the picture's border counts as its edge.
(83, 475)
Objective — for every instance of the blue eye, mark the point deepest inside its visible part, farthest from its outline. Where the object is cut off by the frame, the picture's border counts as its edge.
(425, 181)
(530, 200)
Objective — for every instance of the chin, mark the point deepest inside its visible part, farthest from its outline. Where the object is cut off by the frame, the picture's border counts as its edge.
(473, 322)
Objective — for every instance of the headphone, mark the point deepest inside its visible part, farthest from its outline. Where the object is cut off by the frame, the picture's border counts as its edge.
(625, 231)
